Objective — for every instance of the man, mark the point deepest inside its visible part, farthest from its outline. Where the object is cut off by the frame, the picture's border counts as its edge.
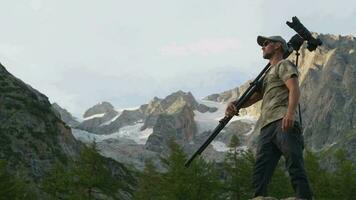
(280, 130)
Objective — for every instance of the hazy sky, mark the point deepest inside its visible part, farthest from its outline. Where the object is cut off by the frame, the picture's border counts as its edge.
(81, 52)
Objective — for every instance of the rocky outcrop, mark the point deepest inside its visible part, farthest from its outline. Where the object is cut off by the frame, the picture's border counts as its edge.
(328, 101)
(65, 116)
(226, 96)
(103, 107)
(179, 127)
(33, 138)
(127, 117)
(128, 152)
(103, 119)
(163, 119)
(170, 105)
(96, 117)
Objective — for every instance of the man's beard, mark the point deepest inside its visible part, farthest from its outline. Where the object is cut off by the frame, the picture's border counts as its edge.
(267, 55)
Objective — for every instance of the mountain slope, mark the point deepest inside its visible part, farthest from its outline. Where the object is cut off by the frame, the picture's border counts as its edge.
(33, 138)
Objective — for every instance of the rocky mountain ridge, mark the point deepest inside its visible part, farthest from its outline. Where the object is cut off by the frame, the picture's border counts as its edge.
(33, 137)
(104, 119)
(179, 121)
(66, 116)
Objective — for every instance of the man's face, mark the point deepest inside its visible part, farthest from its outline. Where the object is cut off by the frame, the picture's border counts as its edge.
(268, 49)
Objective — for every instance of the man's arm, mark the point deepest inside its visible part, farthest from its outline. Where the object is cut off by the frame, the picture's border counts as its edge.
(293, 99)
(254, 98)
(231, 109)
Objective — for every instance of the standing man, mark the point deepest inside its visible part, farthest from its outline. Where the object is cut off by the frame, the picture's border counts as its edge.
(280, 129)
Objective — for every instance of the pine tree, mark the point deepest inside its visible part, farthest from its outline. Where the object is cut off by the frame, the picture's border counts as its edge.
(204, 182)
(92, 177)
(11, 187)
(59, 182)
(199, 181)
(344, 179)
(8, 187)
(234, 142)
(280, 185)
(319, 178)
(150, 183)
(238, 165)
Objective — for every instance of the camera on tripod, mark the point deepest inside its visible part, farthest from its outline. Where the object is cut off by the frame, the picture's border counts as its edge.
(303, 35)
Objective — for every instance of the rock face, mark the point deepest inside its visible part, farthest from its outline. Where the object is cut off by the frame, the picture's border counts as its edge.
(97, 116)
(103, 119)
(65, 116)
(128, 152)
(159, 121)
(33, 137)
(104, 107)
(328, 101)
(179, 126)
(170, 105)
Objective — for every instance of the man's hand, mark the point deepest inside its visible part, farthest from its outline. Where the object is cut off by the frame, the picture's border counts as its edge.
(294, 94)
(231, 110)
(287, 122)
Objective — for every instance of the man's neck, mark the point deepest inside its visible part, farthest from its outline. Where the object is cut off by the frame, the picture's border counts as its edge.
(275, 59)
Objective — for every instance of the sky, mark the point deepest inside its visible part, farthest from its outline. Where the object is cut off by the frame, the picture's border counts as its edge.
(82, 52)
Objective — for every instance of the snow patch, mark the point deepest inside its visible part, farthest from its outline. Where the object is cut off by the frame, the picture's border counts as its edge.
(330, 145)
(131, 108)
(132, 132)
(208, 121)
(111, 120)
(94, 116)
(85, 136)
(220, 146)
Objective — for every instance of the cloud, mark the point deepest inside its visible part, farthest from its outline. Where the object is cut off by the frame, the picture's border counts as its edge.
(204, 47)
(36, 5)
(11, 50)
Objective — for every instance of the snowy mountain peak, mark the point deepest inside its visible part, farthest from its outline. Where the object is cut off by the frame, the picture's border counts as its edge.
(100, 108)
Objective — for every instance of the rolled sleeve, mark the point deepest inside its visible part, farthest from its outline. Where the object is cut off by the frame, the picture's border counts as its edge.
(287, 70)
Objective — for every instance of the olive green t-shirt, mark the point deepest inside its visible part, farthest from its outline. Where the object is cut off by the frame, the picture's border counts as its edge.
(275, 92)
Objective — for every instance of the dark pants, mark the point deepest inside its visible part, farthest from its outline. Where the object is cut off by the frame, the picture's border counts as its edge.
(272, 143)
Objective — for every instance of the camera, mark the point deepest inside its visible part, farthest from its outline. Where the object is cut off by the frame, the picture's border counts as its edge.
(303, 34)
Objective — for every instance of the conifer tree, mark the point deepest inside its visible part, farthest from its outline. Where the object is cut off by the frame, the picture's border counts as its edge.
(319, 178)
(238, 165)
(12, 187)
(92, 175)
(59, 182)
(199, 181)
(344, 178)
(150, 183)
(280, 185)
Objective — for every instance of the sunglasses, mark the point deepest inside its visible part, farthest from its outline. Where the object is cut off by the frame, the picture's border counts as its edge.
(266, 43)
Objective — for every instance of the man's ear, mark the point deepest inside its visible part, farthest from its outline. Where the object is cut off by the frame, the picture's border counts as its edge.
(278, 45)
